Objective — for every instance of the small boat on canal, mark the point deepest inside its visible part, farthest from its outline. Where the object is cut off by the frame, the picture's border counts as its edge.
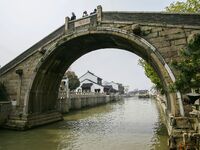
(143, 94)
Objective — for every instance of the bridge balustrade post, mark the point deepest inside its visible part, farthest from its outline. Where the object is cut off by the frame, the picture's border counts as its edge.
(99, 13)
(66, 23)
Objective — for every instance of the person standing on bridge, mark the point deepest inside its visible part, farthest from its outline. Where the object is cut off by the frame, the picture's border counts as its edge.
(95, 10)
(73, 17)
(85, 14)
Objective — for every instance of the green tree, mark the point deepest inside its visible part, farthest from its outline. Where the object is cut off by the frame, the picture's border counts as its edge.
(3, 93)
(152, 75)
(192, 6)
(188, 67)
(73, 80)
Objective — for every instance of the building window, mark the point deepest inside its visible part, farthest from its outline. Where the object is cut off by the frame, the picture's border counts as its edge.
(97, 90)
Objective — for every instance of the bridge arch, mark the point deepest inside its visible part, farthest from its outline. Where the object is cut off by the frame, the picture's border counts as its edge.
(58, 56)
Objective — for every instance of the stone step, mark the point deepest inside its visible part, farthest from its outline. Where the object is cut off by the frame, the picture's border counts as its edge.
(43, 121)
(15, 124)
(182, 123)
(33, 120)
(179, 132)
(44, 118)
(14, 117)
(29, 117)
(33, 117)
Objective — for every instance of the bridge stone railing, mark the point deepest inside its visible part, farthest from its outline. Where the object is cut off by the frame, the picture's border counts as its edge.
(154, 18)
(85, 22)
(81, 23)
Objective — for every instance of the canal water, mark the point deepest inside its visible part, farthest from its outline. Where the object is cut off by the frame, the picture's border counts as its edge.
(131, 124)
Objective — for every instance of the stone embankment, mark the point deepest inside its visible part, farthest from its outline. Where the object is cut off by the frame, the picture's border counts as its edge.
(64, 105)
(79, 101)
(184, 131)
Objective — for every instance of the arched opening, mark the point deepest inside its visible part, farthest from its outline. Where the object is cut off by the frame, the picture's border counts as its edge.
(59, 56)
(119, 66)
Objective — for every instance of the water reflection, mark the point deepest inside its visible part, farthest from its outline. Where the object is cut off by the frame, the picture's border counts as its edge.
(129, 124)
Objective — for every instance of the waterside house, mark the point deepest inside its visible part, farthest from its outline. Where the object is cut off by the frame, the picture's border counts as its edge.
(89, 82)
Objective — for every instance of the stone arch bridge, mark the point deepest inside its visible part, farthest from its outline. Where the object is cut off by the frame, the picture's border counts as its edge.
(33, 78)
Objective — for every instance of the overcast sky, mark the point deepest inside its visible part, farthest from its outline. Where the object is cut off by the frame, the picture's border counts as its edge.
(25, 22)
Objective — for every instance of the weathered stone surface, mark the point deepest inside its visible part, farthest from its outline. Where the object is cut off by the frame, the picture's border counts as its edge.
(157, 39)
(5, 109)
(170, 31)
(162, 44)
(179, 42)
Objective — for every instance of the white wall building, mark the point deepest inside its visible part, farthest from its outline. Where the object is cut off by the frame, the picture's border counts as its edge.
(89, 82)
(91, 76)
(114, 85)
(89, 86)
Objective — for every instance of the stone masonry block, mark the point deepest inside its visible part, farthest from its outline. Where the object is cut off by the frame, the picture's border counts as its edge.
(157, 40)
(157, 29)
(153, 35)
(175, 36)
(171, 31)
(179, 42)
(188, 33)
(177, 48)
(172, 54)
(164, 49)
(195, 31)
(162, 44)
(146, 28)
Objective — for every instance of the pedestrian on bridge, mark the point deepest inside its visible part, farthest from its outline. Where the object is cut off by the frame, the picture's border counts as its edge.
(95, 10)
(73, 17)
(85, 14)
